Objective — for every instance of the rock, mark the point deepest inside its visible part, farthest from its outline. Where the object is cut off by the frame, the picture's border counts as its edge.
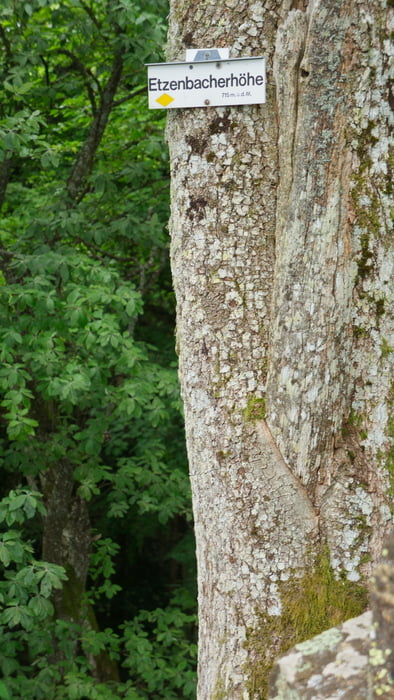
(332, 665)
(381, 655)
(350, 662)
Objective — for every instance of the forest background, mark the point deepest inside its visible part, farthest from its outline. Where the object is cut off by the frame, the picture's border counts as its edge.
(97, 587)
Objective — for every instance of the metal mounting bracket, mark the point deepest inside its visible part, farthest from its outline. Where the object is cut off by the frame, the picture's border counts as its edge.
(194, 55)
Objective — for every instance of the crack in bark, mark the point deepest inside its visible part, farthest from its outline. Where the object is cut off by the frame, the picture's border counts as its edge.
(264, 432)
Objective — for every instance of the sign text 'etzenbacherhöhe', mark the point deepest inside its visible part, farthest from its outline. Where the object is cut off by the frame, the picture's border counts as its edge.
(219, 83)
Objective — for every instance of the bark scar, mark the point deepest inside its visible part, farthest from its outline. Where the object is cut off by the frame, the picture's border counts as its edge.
(289, 52)
(265, 434)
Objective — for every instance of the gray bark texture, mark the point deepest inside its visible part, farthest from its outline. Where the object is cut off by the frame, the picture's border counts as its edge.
(282, 259)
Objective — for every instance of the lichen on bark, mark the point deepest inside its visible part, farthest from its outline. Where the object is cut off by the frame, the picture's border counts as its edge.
(276, 261)
(311, 603)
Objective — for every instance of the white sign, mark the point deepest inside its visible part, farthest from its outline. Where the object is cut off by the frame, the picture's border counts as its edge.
(201, 83)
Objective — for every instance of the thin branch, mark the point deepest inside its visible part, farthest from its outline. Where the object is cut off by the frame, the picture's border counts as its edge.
(91, 14)
(87, 74)
(7, 44)
(5, 169)
(100, 254)
(82, 167)
(6, 259)
(46, 68)
(138, 91)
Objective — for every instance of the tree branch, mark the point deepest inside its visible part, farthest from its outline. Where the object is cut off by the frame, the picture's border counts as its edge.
(91, 14)
(7, 44)
(87, 74)
(138, 91)
(46, 68)
(5, 168)
(76, 185)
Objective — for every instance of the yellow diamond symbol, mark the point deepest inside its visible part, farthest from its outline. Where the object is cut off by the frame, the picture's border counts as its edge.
(165, 100)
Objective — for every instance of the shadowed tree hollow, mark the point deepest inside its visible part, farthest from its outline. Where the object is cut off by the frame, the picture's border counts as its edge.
(282, 260)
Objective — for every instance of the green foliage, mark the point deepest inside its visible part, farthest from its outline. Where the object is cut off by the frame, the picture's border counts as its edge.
(4, 694)
(151, 639)
(142, 649)
(102, 569)
(27, 584)
(90, 411)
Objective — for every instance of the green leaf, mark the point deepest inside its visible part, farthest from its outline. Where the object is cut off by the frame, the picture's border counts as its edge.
(17, 502)
(41, 607)
(78, 380)
(4, 692)
(5, 557)
(17, 615)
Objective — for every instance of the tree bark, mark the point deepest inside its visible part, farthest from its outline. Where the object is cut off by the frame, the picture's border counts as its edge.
(282, 267)
(67, 539)
(5, 169)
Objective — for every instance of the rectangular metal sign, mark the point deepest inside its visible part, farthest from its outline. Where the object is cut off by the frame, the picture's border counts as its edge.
(214, 83)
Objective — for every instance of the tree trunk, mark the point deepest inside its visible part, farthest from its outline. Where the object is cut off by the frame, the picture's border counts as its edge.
(282, 267)
(67, 539)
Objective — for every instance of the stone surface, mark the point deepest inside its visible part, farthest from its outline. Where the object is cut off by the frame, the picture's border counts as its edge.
(381, 655)
(349, 662)
(333, 665)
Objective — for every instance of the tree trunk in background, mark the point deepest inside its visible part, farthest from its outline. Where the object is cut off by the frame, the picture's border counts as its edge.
(67, 539)
(283, 270)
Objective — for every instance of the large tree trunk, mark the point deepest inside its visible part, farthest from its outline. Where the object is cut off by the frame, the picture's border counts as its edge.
(282, 266)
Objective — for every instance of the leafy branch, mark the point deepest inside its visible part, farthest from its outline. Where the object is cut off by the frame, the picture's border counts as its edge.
(76, 184)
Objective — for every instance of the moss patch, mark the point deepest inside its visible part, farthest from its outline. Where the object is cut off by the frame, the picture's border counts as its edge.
(255, 410)
(219, 692)
(310, 604)
(385, 348)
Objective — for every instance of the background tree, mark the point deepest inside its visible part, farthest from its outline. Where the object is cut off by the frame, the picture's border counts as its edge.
(95, 516)
(282, 262)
